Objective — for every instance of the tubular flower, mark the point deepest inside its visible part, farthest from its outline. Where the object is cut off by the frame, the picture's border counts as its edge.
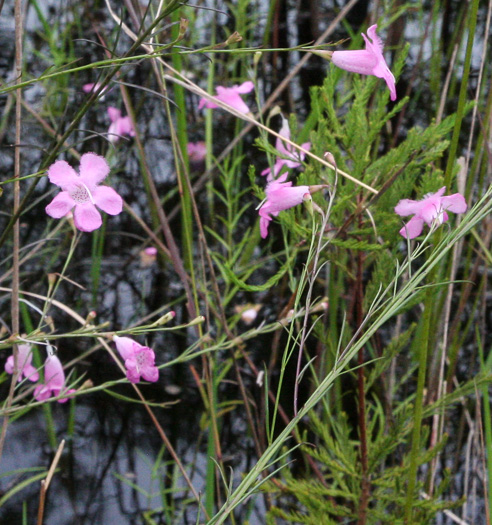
(24, 359)
(82, 192)
(231, 96)
(139, 360)
(54, 381)
(294, 157)
(368, 61)
(431, 209)
(281, 196)
(120, 126)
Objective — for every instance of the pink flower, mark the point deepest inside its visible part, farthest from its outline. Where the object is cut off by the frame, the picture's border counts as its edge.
(430, 209)
(89, 88)
(197, 151)
(120, 126)
(281, 195)
(368, 61)
(139, 360)
(83, 192)
(54, 381)
(231, 96)
(24, 359)
(294, 157)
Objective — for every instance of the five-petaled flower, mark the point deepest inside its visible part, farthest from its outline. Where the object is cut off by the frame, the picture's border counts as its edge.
(281, 196)
(82, 192)
(292, 158)
(54, 378)
(139, 360)
(24, 358)
(230, 96)
(431, 209)
(368, 61)
(120, 126)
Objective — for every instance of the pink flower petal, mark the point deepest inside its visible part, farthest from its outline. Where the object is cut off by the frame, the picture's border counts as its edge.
(150, 373)
(86, 217)
(232, 98)
(53, 373)
(108, 200)
(42, 392)
(114, 113)
(455, 203)
(245, 87)
(62, 174)
(93, 169)
(264, 223)
(125, 346)
(369, 61)
(60, 205)
(413, 228)
(357, 61)
(408, 207)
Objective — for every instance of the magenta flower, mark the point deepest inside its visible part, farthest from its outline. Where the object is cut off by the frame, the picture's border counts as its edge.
(231, 96)
(197, 151)
(54, 381)
(368, 61)
(431, 209)
(294, 157)
(281, 196)
(24, 359)
(139, 360)
(83, 192)
(120, 126)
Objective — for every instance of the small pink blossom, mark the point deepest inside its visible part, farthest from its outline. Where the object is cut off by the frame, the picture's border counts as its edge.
(281, 196)
(139, 360)
(24, 359)
(82, 192)
(368, 61)
(230, 96)
(197, 151)
(120, 126)
(294, 157)
(89, 88)
(431, 209)
(54, 381)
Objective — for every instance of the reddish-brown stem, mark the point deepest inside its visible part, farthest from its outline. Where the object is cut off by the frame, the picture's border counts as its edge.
(359, 316)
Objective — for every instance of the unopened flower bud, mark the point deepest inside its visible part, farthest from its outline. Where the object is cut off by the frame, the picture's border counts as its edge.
(148, 256)
(183, 26)
(165, 318)
(323, 54)
(328, 156)
(257, 57)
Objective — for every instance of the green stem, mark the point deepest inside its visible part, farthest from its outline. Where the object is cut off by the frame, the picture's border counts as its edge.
(472, 24)
(423, 344)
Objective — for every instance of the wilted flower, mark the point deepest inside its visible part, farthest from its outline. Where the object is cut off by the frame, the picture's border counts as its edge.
(230, 96)
(431, 209)
(139, 360)
(368, 61)
(120, 126)
(24, 358)
(54, 381)
(82, 192)
(281, 196)
(293, 156)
